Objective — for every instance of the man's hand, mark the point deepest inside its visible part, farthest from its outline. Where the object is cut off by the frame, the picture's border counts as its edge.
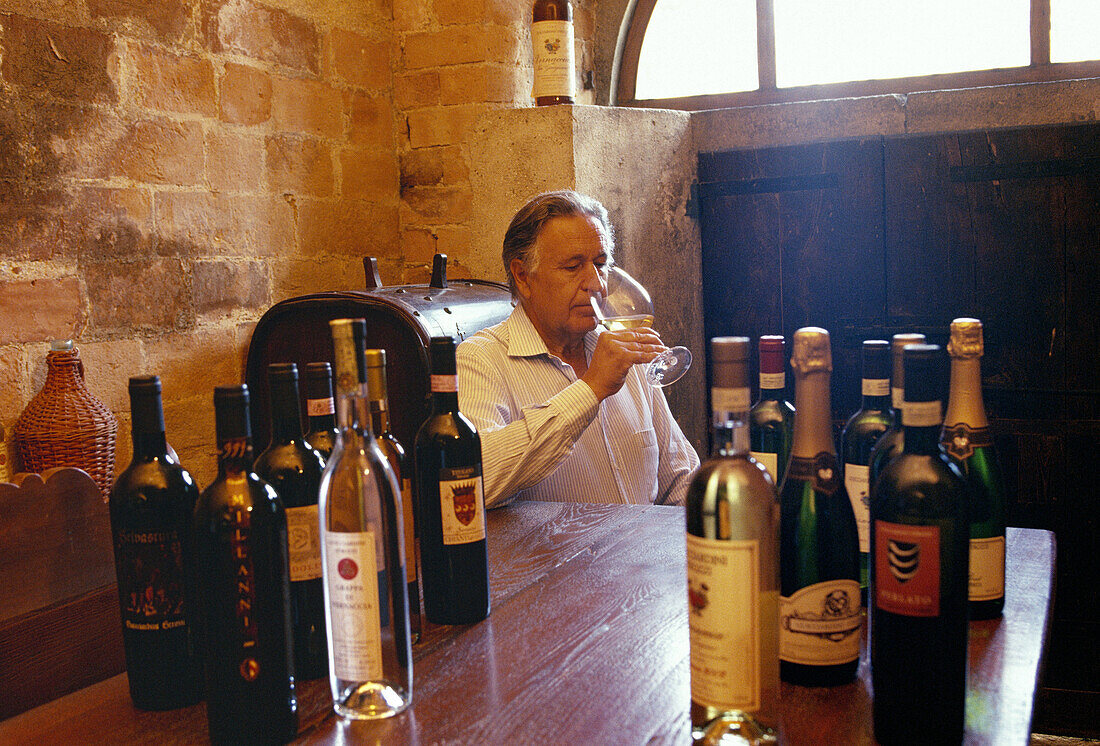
(616, 352)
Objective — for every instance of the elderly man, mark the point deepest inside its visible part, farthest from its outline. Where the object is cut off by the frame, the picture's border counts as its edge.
(563, 409)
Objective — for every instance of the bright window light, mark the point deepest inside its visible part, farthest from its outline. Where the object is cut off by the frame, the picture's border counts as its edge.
(1074, 30)
(696, 47)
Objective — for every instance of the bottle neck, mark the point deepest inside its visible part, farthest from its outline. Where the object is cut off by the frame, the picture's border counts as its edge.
(773, 385)
(444, 392)
(876, 393)
(286, 418)
(147, 426)
(353, 414)
(380, 416)
(964, 403)
(813, 432)
(921, 422)
(235, 456)
(149, 444)
(730, 419)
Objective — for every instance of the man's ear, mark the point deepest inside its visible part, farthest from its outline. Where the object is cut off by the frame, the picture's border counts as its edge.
(519, 273)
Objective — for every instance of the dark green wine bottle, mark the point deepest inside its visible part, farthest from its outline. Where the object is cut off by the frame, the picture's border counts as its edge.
(320, 408)
(771, 420)
(819, 609)
(889, 444)
(293, 468)
(859, 436)
(920, 549)
(968, 440)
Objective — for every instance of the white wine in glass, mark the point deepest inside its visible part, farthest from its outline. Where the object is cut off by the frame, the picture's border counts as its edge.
(627, 305)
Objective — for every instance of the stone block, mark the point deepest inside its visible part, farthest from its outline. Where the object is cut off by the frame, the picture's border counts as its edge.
(507, 12)
(159, 151)
(147, 295)
(369, 174)
(62, 61)
(478, 83)
(268, 34)
(456, 169)
(14, 388)
(1018, 105)
(167, 18)
(245, 95)
(191, 364)
(39, 309)
(348, 227)
(422, 167)
(105, 223)
(309, 106)
(442, 125)
(234, 161)
(411, 15)
(108, 366)
(171, 82)
(31, 218)
(299, 165)
(436, 205)
(419, 245)
(193, 224)
(419, 88)
(453, 45)
(456, 12)
(509, 45)
(221, 287)
(370, 120)
(293, 277)
(361, 61)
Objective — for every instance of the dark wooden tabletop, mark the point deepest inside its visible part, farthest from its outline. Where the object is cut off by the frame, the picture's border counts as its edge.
(587, 643)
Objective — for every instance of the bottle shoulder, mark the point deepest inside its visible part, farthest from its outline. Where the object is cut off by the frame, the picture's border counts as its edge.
(769, 410)
(912, 477)
(446, 426)
(153, 478)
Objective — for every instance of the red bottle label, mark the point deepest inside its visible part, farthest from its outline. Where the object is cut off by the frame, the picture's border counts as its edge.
(907, 569)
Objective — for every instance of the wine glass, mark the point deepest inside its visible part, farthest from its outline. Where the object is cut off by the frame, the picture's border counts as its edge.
(627, 305)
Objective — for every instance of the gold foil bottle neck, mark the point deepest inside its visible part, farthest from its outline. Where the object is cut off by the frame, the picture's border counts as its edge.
(966, 339)
(376, 374)
(730, 362)
(811, 351)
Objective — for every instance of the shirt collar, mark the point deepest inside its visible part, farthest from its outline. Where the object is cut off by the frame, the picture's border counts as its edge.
(524, 339)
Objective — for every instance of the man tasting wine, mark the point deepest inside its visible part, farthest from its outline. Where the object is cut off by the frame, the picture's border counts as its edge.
(564, 412)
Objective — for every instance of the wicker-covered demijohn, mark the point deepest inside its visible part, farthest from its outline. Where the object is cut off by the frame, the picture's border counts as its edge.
(65, 424)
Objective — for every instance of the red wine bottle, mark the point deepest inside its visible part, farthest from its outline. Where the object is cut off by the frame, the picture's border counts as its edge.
(451, 500)
(320, 408)
(293, 468)
(920, 556)
(771, 420)
(151, 507)
(552, 45)
(244, 582)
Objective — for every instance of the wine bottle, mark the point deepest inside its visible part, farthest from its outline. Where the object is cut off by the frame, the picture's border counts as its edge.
(920, 547)
(968, 440)
(771, 420)
(293, 468)
(733, 569)
(451, 502)
(552, 45)
(859, 436)
(395, 453)
(889, 444)
(244, 582)
(151, 505)
(320, 408)
(819, 611)
(370, 652)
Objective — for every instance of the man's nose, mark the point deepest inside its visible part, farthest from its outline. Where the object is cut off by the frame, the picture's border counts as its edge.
(594, 282)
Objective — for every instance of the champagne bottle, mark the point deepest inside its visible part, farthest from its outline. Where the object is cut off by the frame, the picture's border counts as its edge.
(293, 468)
(919, 545)
(819, 611)
(451, 502)
(859, 436)
(771, 420)
(889, 444)
(244, 581)
(733, 570)
(969, 442)
(320, 408)
(370, 651)
(402, 470)
(552, 45)
(151, 505)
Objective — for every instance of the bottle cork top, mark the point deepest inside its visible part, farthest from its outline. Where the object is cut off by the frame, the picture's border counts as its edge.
(812, 351)
(966, 339)
(898, 344)
(729, 349)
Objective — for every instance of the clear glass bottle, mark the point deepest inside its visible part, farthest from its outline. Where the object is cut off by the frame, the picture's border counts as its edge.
(889, 444)
(771, 420)
(366, 602)
(733, 570)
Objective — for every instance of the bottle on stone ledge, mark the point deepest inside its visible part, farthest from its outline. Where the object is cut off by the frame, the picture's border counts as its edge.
(552, 47)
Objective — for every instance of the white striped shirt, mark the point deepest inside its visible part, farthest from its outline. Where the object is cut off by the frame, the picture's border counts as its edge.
(545, 435)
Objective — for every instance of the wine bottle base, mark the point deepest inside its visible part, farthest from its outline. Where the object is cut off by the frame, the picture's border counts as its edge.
(371, 700)
(733, 727)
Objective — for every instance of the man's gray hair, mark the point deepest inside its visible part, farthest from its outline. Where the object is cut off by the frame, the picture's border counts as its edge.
(521, 238)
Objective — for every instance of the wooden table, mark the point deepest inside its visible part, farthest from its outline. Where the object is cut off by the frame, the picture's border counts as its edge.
(587, 643)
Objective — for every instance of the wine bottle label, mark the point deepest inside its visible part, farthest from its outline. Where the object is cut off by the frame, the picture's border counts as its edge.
(730, 400)
(770, 462)
(351, 578)
(724, 622)
(552, 44)
(857, 481)
(819, 625)
(960, 440)
(320, 407)
(240, 549)
(409, 531)
(773, 381)
(150, 580)
(876, 386)
(822, 471)
(907, 569)
(987, 569)
(444, 384)
(303, 533)
(462, 505)
(922, 414)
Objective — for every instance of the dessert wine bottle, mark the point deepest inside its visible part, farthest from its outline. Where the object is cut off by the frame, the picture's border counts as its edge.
(819, 610)
(451, 502)
(552, 45)
(859, 436)
(370, 651)
(244, 582)
(293, 468)
(320, 408)
(968, 440)
(395, 453)
(889, 443)
(920, 548)
(151, 506)
(771, 420)
(733, 570)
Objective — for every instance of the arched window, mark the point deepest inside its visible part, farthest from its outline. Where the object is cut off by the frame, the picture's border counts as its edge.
(697, 54)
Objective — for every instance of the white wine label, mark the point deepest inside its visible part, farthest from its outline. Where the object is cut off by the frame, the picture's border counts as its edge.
(773, 380)
(770, 462)
(819, 625)
(876, 386)
(303, 533)
(897, 399)
(409, 533)
(462, 505)
(907, 569)
(730, 400)
(987, 568)
(320, 407)
(552, 44)
(857, 480)
(445, 384)
(724, 623)
(351, 579)
(922, 413)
